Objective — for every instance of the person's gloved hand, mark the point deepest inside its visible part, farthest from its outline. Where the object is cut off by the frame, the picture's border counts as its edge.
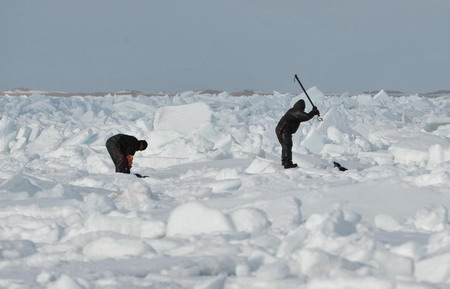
(315, 111)
(130, 161)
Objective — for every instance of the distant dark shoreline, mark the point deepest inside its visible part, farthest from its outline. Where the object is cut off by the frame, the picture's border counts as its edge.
(134, 93)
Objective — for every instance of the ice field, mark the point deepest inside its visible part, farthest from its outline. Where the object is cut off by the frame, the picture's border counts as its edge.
(218, 211)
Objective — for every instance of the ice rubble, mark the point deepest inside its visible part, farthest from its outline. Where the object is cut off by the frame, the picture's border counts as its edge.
(218, 211)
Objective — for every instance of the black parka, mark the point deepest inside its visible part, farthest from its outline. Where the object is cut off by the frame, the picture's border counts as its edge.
(128, 144)
(291, 120)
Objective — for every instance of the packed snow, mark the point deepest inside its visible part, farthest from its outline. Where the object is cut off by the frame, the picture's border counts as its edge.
(217, 210)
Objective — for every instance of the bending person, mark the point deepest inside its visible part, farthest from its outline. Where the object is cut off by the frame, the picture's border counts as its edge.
(122, 148)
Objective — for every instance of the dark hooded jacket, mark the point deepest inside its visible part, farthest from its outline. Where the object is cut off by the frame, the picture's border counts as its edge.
(128, 144)
(290, 122)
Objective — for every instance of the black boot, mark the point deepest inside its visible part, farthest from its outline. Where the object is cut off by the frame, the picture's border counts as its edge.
(290, 165)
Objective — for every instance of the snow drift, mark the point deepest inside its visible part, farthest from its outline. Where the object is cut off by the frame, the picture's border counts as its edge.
(218, 210)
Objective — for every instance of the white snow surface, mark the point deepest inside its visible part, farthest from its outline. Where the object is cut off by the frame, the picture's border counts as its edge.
(218, 210)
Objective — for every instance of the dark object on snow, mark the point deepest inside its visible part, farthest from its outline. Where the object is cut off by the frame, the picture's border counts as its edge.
(288, 125)
(140, 176)
(122, 148)
(338, 165)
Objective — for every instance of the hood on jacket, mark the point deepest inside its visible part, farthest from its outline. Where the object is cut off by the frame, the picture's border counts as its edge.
(300, 105)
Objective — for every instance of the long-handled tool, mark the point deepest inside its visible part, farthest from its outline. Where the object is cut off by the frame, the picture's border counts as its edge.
(304, 90)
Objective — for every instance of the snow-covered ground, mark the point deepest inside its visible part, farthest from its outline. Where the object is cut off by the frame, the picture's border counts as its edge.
(218, 210)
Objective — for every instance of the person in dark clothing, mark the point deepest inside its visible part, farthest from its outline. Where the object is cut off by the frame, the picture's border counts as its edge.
(288, 125)
(122, 148)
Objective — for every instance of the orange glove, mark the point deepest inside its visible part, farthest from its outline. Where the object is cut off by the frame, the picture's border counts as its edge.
(130, 161)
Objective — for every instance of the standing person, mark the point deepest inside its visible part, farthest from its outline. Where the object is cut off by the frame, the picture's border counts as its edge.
(121, 148)
(288, 125)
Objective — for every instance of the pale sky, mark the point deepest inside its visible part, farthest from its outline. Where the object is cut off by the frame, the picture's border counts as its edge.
(179, 45)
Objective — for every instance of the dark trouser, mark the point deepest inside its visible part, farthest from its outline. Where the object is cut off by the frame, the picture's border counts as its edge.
(285, 140)
(119, 160)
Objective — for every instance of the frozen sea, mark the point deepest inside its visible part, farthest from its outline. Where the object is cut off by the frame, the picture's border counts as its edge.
(217, 210)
